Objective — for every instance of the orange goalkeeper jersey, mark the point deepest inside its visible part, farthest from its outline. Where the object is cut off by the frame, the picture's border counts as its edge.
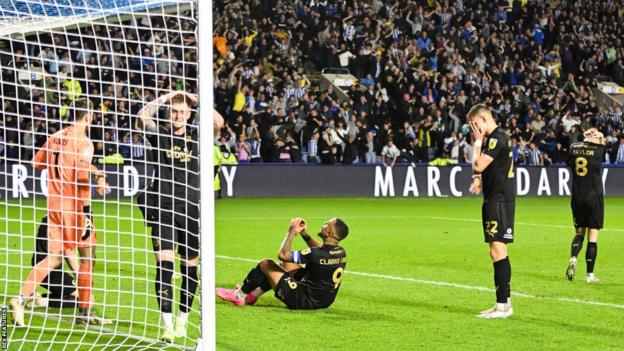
(67, 156)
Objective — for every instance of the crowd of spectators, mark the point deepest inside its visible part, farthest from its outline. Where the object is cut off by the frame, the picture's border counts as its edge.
(118, 66)
(420, 66)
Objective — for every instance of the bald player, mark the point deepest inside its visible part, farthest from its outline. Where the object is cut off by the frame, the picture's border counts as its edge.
(67, 157)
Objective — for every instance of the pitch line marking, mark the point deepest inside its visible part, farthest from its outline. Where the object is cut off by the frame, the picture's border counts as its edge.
(152, 343)
(455, 285)
(457, 219)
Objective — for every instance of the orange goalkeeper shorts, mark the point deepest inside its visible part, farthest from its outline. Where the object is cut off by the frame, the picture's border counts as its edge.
(70, 230)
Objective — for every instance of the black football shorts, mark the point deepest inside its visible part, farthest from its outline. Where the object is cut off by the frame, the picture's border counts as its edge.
(498, 221)
(177, 224)
(588, 212)
(294, 294)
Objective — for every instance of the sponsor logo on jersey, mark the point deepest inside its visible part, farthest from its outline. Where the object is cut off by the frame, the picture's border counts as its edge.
(508, 234)
(182, 155)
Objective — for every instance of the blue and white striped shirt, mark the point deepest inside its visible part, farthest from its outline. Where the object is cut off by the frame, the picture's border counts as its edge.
(138, 150)
(288, 92)
(255, 148)
(349, 32)
(534, 157)
(620, 154)
(312, 147)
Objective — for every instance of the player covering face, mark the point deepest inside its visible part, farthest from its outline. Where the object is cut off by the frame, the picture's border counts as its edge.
(492, 166)
(587, 202)
(67, 157)
(314, 286)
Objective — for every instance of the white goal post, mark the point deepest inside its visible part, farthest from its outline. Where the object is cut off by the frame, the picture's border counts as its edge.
(121, 55)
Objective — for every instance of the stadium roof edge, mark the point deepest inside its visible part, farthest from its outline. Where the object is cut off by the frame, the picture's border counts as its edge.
(29, 25)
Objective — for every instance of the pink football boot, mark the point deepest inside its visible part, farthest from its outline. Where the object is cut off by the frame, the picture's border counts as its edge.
(230, 295)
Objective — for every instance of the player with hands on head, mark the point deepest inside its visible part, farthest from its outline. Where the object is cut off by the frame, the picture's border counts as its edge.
(587, 201)
(173, 199)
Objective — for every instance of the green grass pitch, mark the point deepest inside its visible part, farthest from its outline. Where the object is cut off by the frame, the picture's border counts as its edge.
(420, 272)
(124, 274)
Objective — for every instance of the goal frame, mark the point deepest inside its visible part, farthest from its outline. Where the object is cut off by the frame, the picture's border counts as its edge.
(203, 8)
(207, 203)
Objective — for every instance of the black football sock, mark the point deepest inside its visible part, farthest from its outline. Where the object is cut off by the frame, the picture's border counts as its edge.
(266, 286)
(502, 276)
(164, 290)
(189, 287)
(577, 245)
(590, 256)
(508, 278)
(254, 279)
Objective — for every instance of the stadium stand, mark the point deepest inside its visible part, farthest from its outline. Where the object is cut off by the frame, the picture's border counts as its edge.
(147, 61)
(420, 65)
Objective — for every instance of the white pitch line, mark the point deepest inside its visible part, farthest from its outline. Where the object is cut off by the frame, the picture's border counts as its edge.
(457, 219)
(455, 285)
(158, 345)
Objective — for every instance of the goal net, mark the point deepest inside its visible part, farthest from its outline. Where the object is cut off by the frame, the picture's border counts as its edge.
(120, 55)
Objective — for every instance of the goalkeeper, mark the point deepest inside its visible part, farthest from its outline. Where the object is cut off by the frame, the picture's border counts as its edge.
(61, 285)
(67, 157)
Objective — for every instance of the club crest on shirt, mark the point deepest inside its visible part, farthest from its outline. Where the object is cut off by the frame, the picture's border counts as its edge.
(492, 144)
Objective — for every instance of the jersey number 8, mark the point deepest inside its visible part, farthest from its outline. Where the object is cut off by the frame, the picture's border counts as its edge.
(580, 166)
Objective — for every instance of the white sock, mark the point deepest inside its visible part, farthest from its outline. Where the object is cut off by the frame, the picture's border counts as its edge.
(257, 292)
(240, 294)
(167, 319)
(182, 317)
(509, 301)
(501, 306)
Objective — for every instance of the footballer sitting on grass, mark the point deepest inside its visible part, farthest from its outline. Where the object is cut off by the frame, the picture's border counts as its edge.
(300, 288)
